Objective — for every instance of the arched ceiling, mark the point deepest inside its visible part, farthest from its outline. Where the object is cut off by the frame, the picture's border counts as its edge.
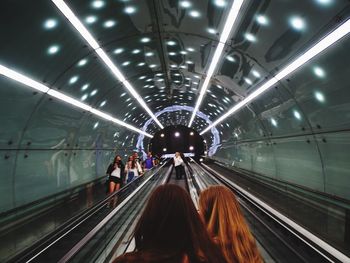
(163, 48)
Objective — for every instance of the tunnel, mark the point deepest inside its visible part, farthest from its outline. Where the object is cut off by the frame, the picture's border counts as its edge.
(263, 86)
(178, 139)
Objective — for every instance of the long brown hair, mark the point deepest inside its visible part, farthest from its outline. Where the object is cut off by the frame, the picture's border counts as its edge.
(225, 223)
(170, 224)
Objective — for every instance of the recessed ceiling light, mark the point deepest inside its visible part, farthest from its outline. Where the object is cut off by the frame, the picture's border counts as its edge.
(149, 54)
(211, 30)
(230, 58)
(145, 39)
(248, 81)
(195, 13)
(190, 49)
(185, 4)
(297, 23)
(103, 103)
(126, 63)
(274, 122)
(297, 114)
(93, 93)
(130, 10)
(319, 72)
(109, 23)
(90, 19)
(53, 49)
(172, 53)
(85, 87)
(250, 37)
(325, 2)
(262, 20)
(84, 97)
(97, 4)
(82, 62)
(183, 52)
(141, 64)
(153, 66)
(118, 51)
(171, 43)
(319, 96)
(50, 23)
(220, 3)
(136, 51)
(73, 79)
(256, 74)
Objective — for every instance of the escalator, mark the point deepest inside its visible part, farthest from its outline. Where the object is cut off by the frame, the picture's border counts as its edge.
(62, 243)
(278, 241)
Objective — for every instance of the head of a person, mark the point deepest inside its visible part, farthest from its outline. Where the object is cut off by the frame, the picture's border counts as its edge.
(225, 223)
(149, 154)
(135, 154)
(130, 158)
(117, 159)
(177, 154)
(170, 223)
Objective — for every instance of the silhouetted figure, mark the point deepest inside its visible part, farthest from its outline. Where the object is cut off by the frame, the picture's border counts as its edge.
(225, 223)
(170, 230)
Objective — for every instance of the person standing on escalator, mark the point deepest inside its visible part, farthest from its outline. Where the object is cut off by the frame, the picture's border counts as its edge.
(115, 174)
(149, 163)
(178, 164)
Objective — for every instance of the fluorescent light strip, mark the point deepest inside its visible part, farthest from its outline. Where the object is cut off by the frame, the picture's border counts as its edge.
(235, 8)
(68, 13)
(63, 97)
(23, 79)
(324, 43)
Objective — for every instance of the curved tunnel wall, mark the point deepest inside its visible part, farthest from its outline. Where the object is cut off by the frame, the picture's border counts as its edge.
(299, 131)
(47, 146)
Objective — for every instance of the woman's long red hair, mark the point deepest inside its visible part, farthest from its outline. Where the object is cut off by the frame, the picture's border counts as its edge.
(226, 225)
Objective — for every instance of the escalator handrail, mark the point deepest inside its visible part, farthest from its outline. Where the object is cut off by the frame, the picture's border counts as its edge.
(99, 227)
(290, 225)
(76, 221)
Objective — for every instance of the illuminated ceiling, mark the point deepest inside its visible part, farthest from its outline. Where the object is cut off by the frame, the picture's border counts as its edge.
(163, 51)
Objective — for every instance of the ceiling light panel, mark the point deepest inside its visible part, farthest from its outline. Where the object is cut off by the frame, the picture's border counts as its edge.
(224, 34)
(16, 76)
(316, 49)
(46, 37)
(63, 7)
